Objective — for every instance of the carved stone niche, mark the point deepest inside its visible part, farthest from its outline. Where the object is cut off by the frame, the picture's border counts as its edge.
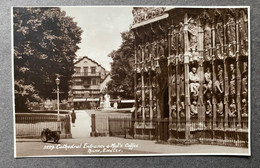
(194, 82)
(161, 48)
(181, 40)
(173, 82)
(243, 32)
(232, 80)
(219, 29)
(182, 81)
(174, 110)
(231, 35)
(244, 82)
(207, 41)
(182, 109)
(139, 59)
(153, 55)
(147, 60)
(219, 83)
(232, 111)
(193, 108)
(208, 90)
(174, 40)
(193, 39)
(220, 107)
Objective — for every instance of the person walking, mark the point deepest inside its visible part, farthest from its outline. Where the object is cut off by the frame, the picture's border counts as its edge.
(73, 117)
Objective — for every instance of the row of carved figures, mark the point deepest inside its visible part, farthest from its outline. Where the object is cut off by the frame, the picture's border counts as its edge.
(209, 88)
(228, 45)
(216, 88)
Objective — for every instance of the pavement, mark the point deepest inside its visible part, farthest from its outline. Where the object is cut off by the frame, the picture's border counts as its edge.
(82, 127)
(82, 144)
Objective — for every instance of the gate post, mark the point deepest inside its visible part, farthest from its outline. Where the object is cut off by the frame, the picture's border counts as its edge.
(93, 125)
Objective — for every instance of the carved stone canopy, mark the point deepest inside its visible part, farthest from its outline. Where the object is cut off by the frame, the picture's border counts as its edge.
(144, 13)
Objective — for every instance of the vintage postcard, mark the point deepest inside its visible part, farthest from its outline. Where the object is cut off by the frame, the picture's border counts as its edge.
(131, 80)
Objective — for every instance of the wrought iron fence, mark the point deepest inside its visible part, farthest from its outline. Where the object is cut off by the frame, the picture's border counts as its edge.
(31, 124)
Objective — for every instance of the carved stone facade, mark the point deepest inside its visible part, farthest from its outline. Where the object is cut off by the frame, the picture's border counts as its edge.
(191, 74)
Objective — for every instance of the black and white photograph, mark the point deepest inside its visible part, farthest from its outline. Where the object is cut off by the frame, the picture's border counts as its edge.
(131, 80)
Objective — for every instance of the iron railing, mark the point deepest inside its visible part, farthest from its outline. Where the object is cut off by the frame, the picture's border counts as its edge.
(196, 130)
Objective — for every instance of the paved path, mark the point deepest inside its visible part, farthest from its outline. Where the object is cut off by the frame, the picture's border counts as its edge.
(93, 146)
(82, 127)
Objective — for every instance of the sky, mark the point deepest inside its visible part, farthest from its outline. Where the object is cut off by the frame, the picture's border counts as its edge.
(101, 30)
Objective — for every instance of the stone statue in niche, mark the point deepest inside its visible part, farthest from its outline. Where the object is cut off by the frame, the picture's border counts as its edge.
(231, 35)
(173, 83)
(219, 38)
(182, 109)
(139, 96)
(181, 39)
(182, 83)
(232, 82)
(139, 59)
(193, 108)
(147, 111)
(161, 48)
(174, 110)
(219, 32)
(174, 40)
(232, 108)
(153, 55)
(139, 83)
(154, 109)
(220, 108)
(244, 108)
(208, 81)
(139, 112)
(147, 56)
(194, 82)
(208, 90)
(207, 40)
(219, 83)
(245, 80)
(208, 107)
(147, 98)
(243, 32)
(219, 52)
(192, 34)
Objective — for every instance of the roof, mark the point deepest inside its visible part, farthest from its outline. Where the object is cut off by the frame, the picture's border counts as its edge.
(105, 77)
(90, 60)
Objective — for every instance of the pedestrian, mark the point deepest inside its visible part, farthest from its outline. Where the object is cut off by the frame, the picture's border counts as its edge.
(73, 117)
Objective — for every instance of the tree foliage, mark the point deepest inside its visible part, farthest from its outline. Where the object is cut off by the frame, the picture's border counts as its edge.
(122, 68)
(45, 42)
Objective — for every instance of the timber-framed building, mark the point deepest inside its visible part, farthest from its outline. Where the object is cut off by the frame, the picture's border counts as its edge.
(191, 75)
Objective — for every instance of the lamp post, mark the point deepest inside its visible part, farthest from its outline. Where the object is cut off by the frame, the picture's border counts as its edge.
(57, 80)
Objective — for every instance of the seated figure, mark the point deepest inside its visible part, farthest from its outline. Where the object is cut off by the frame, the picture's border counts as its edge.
(194, 108)
(194, 82)
(174, 111)
(219, 83)
(220, 108)
(232, 109)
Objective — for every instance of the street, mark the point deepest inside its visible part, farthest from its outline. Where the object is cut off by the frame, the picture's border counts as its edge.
(82, 144)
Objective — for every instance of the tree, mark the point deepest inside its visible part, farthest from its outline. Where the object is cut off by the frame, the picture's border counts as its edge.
(45, 42)
(122, 68)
